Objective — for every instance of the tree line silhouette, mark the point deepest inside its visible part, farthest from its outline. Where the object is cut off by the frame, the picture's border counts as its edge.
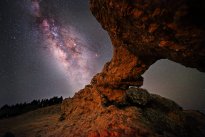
(13, 110)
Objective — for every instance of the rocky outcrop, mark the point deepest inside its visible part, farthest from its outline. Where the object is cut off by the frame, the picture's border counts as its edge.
(156, 29)
(142, 115)
(142, 32)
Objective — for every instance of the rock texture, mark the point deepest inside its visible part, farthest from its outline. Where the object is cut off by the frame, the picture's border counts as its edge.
(142, 32)
(142, 115)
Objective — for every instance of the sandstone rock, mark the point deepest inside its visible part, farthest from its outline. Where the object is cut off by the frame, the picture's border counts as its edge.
(138, 96)
(145, 26)
(142, 32)
(152, 116)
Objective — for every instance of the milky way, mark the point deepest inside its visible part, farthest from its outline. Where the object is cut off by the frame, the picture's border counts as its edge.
(69, 47)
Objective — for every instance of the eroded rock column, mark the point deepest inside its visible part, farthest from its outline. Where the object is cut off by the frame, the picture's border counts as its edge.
(124, 70)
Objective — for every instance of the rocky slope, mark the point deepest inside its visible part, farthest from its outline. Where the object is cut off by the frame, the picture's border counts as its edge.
(142, 32)
(143, 115)
(42, 122)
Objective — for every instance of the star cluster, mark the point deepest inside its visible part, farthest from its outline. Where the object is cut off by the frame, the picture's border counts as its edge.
(48, 48)
(67, 46)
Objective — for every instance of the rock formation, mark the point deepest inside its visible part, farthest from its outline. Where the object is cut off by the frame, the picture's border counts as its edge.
(142, 32)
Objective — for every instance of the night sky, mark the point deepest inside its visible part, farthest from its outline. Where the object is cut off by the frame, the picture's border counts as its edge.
(43, 45)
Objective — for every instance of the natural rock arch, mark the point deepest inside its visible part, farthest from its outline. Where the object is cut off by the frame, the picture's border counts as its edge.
(142, 32)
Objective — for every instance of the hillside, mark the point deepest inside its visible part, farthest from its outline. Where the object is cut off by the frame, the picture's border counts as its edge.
(36, 123)
(144, 115)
